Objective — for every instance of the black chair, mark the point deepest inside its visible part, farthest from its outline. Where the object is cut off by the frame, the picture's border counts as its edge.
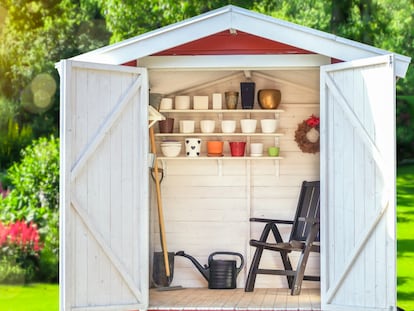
(304, 238)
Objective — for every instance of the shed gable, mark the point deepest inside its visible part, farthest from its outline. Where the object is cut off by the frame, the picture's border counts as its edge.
(232, 42)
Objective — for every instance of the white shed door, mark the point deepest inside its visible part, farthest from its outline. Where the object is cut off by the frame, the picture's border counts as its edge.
(104, 187)
(358, 247)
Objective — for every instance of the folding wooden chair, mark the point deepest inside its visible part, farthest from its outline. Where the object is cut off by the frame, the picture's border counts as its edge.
(304, 238)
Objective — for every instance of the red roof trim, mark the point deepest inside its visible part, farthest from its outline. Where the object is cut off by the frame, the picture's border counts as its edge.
(226, 43)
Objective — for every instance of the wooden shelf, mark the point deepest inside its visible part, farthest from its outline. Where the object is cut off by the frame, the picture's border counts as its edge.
(218, 111)
(204, 157)
(219, 134)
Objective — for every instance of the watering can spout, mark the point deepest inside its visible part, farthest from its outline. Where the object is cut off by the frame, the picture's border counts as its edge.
(203, 270)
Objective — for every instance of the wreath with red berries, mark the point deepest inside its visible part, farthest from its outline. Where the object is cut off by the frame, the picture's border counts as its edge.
(302, 135)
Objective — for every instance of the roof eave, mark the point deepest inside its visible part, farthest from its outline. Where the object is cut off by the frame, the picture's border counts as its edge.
(232, 17)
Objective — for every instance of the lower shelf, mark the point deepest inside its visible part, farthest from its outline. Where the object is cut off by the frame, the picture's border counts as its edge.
(203, 157)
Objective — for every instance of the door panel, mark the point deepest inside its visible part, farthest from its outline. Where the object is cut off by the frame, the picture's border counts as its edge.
(104, 187)
(358, 185)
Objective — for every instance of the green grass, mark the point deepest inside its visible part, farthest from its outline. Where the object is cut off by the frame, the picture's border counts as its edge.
(45, 297)
(33, 297)
(405, 237)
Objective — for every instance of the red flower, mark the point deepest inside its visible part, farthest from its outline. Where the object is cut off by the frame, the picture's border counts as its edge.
(20, 234)
(313, 121)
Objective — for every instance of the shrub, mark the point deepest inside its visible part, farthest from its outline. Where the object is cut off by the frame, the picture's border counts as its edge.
(19, 251)
(35, 198)
(13, 138)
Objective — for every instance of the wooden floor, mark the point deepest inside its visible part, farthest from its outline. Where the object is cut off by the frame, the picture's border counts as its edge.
(233, 299)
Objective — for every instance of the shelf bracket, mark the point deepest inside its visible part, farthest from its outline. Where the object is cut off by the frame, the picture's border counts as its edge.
(277, 168)
(219, 167)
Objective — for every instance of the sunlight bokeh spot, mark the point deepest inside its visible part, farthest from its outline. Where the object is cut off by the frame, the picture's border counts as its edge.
(43, 88)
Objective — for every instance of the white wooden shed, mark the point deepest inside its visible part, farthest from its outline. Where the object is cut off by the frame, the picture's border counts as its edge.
(109, 229)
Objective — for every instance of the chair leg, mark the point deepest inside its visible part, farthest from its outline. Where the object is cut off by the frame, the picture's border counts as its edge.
(285, 258)
(300, 270)
(251, 278)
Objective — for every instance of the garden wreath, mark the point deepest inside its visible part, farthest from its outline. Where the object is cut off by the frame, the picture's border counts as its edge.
(307, 135)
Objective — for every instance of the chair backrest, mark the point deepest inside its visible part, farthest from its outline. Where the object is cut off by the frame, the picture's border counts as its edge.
(308, 206)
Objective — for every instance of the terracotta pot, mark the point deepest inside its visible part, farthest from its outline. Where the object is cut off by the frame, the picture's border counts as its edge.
(237, 148)
(215, 148)
(166, 126)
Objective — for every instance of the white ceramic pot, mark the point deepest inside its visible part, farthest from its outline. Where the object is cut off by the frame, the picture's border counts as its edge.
(248, 125)
(269, 125)
(207, 126)
(192, 147)
(256, 149)
(187, 126)
(228, 126)
(166, 104)
(182, 102)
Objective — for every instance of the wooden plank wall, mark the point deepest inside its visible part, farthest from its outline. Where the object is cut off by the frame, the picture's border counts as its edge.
(208, 202)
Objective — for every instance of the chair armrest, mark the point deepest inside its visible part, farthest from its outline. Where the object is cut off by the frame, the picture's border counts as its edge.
(275, 221)
(311, 220)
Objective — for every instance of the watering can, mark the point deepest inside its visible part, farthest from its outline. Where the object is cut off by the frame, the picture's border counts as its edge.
(219, 273)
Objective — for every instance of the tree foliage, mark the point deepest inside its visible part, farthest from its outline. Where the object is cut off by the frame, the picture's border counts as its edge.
(34, 36)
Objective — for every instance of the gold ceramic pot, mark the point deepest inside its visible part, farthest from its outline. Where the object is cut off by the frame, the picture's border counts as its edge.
(269, 98)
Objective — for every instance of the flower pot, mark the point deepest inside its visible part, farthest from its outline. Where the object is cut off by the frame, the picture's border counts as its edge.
(166, 126)
(232, 98)
(247, 94)
(192, 147)
(248, 125)
(187, 126)
(207, 126)
(269, 98)
(269, 125)
(228, 126)
(215, 148)
(237, 148)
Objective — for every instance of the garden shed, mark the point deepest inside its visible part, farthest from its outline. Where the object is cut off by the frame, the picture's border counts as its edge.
(109, 224)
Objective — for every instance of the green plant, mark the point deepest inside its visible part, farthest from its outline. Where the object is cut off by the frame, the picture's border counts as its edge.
(13, 138)
(10, 272)
(35, 195)
(19, 250)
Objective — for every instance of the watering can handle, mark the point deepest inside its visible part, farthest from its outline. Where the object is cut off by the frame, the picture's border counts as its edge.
(210, 258)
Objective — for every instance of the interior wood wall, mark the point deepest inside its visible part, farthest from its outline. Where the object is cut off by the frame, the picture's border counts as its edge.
(207, 203)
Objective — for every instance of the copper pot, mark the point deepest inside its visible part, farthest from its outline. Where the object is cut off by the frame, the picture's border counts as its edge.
(269, 98)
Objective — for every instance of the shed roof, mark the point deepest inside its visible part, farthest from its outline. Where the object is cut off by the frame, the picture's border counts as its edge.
(233, 18)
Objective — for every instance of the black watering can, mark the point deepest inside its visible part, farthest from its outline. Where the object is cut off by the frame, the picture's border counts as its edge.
(220, 274)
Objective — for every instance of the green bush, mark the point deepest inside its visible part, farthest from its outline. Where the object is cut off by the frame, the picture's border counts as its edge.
(35, 198)
(13, 138)
(11, 273)
(19, 248)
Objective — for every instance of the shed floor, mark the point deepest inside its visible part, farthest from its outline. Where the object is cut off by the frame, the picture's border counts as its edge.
(234, 299)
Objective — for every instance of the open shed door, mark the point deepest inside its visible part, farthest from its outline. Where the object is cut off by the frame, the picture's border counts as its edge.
(104, 187)
(358, 247)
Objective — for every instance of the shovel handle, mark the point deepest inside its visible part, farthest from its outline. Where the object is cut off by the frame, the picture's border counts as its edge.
(159, 204)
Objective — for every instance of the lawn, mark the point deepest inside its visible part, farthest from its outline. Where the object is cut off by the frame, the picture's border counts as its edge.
(405, 237)
(33, 297)
(42, 297)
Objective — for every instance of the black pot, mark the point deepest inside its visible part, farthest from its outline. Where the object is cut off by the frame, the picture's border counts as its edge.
(247, 94)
